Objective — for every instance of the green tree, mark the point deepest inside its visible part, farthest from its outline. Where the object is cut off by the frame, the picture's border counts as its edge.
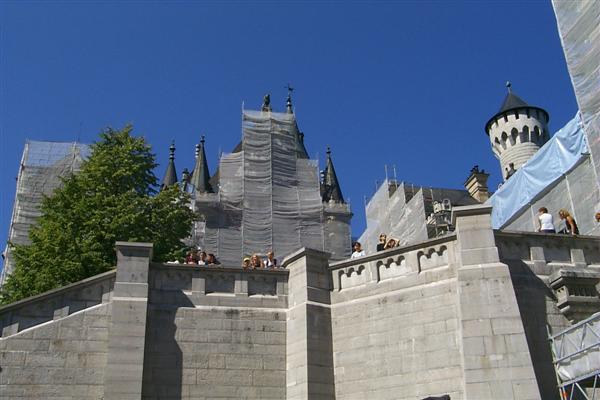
(112, 198)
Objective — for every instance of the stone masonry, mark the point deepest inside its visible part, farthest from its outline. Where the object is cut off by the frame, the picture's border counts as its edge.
(463, 315)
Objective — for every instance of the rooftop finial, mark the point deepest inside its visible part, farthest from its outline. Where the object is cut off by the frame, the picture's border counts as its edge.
(172, 150)
(266, 105)
(202, 139)
(508, 86)
(288, 104)
(328, 151)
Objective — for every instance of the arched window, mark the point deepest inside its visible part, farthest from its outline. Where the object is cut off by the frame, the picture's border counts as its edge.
(514, 133)
(496, 146)
(524, 136)
(535, 137)
(504, 139)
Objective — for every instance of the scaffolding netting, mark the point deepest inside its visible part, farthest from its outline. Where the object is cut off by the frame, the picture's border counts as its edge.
(268, 197)
(42, 167)
(579, 29)
(398, 215)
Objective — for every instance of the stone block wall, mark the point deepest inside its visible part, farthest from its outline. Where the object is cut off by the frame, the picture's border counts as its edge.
(62, 359)
(395, 324)
(208, 352)
(532, 258)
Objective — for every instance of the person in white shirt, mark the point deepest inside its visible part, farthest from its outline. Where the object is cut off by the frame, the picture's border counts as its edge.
(271, 261)
(358, 251)
(545, 221)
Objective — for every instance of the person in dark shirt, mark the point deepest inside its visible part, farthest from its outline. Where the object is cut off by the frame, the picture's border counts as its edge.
(571, 226)
(382, 241)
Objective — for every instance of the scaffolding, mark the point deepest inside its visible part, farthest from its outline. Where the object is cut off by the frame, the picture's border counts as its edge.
(269, 198)
(42, 168)
(576, 359)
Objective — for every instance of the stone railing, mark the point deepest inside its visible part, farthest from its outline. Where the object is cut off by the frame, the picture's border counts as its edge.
(56, 303)
(548, 251)
(393, 263)
(569, 265)
(193, 285)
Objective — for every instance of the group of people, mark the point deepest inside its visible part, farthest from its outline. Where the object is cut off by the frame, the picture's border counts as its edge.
(384, 244)
(546, 222)
(255, 262)
(200, 258)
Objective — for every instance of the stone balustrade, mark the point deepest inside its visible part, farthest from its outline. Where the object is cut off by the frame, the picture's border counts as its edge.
(393, 263)
(546, 252)
(217, 286)
(56, 303)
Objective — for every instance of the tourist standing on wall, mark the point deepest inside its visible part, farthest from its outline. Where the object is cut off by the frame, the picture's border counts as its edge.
(382, 242)
(358, 251)
(545, 221)
(271, 261)
(571, 226)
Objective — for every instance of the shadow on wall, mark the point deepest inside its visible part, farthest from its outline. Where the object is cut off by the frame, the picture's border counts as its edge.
(532, 298)
(163, 359)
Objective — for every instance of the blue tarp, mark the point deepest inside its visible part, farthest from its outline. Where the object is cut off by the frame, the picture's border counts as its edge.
(553, 160)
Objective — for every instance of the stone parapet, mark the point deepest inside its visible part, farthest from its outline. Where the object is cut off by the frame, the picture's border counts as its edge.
(199, 285)
(57, 303)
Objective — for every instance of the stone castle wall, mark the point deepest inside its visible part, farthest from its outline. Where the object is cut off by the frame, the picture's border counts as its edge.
(463, 315)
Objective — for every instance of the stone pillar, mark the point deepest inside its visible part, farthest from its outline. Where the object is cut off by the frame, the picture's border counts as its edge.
(309, 348)
(496, 359)
(127, 334)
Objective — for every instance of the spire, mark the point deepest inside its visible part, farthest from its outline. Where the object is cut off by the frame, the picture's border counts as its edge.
(200, 176)
(511, 101)
(170, 177)
(288, 103)
(330, 187)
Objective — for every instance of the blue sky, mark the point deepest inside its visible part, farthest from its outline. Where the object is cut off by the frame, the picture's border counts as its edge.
(402, 83)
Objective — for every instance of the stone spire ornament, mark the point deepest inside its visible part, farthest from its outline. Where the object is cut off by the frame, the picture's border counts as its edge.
(288, 103)
(266, 105)
(331, 191)
(170, 177)
(200, 175)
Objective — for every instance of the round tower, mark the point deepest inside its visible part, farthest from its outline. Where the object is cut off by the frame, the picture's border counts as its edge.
(516, 132)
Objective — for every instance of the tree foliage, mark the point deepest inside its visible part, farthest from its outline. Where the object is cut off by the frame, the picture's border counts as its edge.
(112, 198)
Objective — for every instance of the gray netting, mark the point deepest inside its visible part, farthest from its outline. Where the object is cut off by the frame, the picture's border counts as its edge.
(42, 166)
(268, 198)
(393, 215)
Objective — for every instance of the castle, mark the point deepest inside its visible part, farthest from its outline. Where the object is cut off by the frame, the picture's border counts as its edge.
(473, 305)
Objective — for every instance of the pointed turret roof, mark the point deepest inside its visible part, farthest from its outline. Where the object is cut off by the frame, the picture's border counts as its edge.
(330, 190)
(170, 177)
(200, 180)
(512, 102)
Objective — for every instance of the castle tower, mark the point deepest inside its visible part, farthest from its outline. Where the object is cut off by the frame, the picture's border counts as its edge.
(170, 177)
(336, 213)
(516, 132)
